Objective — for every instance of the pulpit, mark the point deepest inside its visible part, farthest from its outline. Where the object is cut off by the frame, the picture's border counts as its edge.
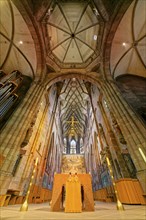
(78, 193)
(73, 195)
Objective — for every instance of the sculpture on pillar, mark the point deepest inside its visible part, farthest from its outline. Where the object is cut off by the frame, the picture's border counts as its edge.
(105, 150)
(29, 131)
(117, 129)
(102, 134)
(27, 136)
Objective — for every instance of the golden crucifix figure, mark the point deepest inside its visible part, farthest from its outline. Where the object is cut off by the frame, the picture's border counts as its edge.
(72, 122)
(72, 128)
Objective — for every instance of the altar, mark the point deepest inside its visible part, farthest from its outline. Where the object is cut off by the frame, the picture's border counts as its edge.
(78, 193)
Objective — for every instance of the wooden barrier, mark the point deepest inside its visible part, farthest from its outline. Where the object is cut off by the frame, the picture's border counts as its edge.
(12, 200)
(20, 199)
(14, 196)
(129, 192)
(37, 195)
(47, 195)
(4, 200)
(44, 195)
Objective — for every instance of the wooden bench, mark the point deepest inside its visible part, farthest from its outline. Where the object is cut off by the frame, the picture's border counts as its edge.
(20, 199)
(4, 200)
(12, 200)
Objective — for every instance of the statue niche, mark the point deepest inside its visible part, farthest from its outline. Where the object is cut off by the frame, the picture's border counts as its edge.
(29, 131)
(27, 137)
(117, 129)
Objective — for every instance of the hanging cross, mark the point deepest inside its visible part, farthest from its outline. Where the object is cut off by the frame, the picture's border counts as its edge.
(72, 122)
(72, 128)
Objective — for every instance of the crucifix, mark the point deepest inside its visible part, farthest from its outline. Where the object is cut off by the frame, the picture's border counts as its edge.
(72, 122)
(72, 131)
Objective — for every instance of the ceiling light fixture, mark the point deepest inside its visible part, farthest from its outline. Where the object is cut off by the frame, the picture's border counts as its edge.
(20, 42)
(95, 11)
(124, 44)
(95, 37)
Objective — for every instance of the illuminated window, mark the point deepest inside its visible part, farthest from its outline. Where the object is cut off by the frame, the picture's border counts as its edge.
(73, 147)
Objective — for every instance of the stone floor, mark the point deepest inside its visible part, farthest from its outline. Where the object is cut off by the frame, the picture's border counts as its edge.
(106, 211)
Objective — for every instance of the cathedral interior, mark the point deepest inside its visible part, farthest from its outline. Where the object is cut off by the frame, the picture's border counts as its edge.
(72, 100)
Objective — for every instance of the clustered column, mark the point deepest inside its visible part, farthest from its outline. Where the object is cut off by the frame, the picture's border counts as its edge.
(132, 128)
(113, 145)
(15, 130)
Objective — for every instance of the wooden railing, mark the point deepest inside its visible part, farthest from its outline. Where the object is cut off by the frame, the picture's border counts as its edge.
(37, 195)
(129, 192)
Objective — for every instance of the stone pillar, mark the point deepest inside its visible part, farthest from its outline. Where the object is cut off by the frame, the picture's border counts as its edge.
(78, 145)
(131, 127)
(97, 155)
(113, 146)
(67, 146)
(32, 150)
(15, 131)
(48, 141)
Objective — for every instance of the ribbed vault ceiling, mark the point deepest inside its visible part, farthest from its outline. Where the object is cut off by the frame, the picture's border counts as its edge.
(128, 54)
(73, 28)
(73, 107)
(17, 48)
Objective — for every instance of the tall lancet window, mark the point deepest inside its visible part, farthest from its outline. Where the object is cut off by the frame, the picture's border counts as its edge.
(73, 147)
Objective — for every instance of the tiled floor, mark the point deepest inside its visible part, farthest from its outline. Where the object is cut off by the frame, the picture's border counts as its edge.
(106, 211)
